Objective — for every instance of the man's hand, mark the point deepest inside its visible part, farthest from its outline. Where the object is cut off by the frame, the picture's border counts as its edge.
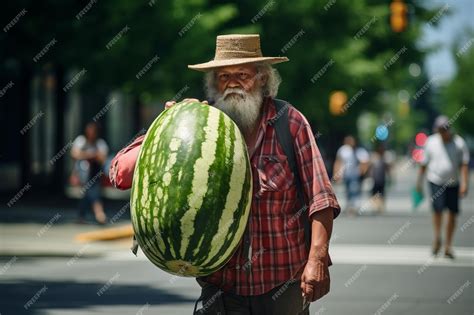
(187, 100)
(87, 155)
(101, 157)
(315, 279)
(465, 180)
(337, 178)
(463, 191)
(419, 188)
(419, 179)
(338, 171)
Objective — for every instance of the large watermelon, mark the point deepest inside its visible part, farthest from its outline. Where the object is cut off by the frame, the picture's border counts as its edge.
(191, 190)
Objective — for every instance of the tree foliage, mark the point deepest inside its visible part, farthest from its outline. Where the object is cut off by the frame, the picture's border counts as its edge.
(115, 40)
(457, 97)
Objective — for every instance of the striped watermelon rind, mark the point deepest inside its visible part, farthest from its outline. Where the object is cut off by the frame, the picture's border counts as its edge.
(190, 198)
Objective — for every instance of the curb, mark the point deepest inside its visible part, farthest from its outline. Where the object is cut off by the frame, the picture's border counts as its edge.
(108, 234)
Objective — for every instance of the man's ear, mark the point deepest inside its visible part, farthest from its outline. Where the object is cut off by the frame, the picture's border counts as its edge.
(262, 79)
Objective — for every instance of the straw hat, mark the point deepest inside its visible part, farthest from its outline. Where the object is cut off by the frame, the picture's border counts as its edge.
(236, 49)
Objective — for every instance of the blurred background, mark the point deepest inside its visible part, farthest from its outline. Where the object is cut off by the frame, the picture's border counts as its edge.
(400, 67)
(378, 70)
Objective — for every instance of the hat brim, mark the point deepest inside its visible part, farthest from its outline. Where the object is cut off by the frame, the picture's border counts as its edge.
(207, 66)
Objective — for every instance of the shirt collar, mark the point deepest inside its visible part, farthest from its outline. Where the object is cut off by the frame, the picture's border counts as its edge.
(269, 112)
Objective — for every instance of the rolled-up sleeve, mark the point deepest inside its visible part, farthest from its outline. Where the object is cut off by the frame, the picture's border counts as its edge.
(318, 190)
(123, 165)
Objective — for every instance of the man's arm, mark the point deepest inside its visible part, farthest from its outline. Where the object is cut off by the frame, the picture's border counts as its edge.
(337, 170)
(321, 230)
(419, 180)
(102, 151)
(76, 151)
(315, 279)
(322, 208)
(123, 165)
(78, 154)
(364, 160)
(464, 187)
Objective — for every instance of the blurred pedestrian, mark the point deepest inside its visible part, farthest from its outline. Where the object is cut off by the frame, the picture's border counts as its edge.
(351, 165)
(90, 153)
(379, 172)
(445, 156)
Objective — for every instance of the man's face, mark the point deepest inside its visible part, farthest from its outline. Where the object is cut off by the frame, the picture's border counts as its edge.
(238, 92)
(244, 77)
(350, 141)
(91, 132)
(445, 133)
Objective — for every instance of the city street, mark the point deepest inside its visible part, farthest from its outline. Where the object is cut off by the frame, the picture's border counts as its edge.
(205, 108)
(382, 264)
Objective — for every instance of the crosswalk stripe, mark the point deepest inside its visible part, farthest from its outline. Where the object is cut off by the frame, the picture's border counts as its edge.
(348, 254)
(414, 255)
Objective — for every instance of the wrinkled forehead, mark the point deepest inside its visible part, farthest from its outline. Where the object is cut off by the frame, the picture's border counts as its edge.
(237, 68)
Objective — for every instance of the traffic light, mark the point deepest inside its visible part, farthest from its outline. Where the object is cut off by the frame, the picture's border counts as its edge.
(398, 16)
(337, 101)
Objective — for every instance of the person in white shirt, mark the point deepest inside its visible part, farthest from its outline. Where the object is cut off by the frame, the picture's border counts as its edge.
(445, 162)
(351, 165)
(90, 153)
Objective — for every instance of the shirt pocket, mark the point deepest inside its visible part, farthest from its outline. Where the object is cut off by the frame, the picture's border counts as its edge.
(274, 173)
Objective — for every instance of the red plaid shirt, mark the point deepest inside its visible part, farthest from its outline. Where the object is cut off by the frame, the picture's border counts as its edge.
(278, 250)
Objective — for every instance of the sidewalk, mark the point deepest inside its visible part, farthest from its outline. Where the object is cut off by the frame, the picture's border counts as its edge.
(31, 231)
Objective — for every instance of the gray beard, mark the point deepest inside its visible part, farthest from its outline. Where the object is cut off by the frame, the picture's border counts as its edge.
(242, 107)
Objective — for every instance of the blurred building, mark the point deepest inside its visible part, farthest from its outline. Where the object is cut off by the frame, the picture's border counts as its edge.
(40, 118)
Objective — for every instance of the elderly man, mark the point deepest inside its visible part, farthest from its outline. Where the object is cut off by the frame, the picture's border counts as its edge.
(275, 271)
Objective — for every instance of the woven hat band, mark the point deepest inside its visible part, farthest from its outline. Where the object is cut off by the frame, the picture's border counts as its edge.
(228, 54)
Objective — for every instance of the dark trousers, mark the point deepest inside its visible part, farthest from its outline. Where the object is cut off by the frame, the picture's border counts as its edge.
(285, 299)
(90, 195)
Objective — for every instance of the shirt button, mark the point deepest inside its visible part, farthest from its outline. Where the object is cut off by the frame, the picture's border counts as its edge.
(237, 267)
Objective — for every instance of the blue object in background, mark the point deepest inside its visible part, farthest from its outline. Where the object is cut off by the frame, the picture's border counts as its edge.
(381, 132)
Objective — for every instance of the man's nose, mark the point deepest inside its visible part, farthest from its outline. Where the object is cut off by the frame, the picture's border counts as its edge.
(233, 83)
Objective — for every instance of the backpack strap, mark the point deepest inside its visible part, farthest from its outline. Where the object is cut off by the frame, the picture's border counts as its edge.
(281, 124)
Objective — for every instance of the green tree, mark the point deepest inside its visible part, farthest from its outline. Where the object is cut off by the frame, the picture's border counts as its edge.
(457, 98)
(332, 45)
